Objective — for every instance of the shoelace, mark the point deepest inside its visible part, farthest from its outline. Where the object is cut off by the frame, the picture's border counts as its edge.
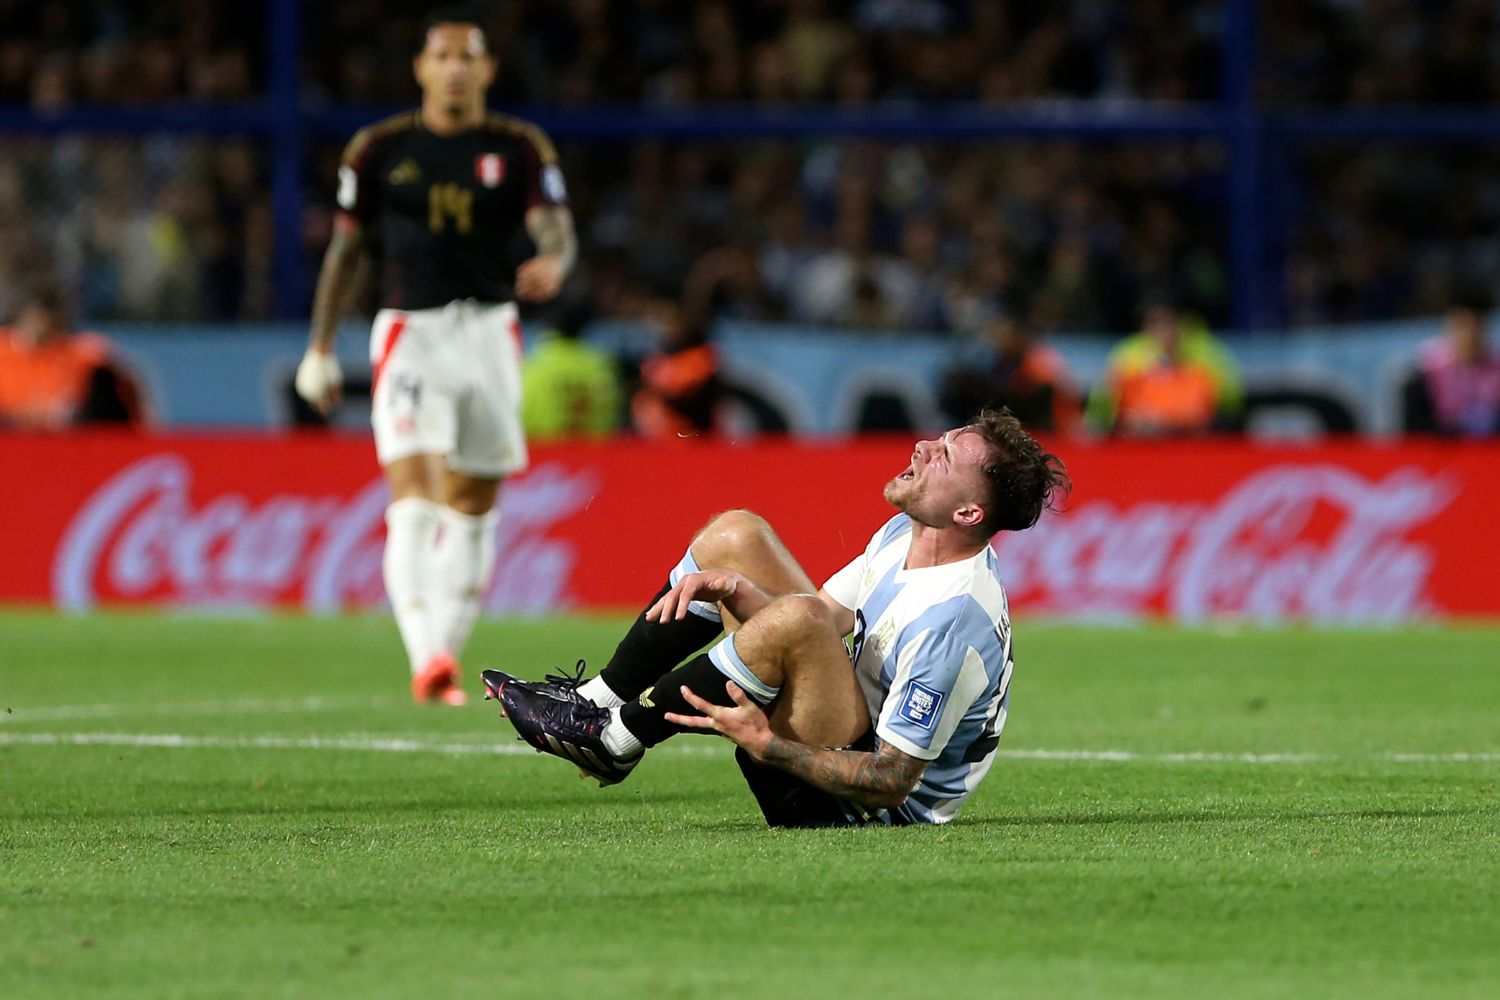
(565, 680)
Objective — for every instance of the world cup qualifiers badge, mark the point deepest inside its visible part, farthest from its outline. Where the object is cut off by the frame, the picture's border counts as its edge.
(921, 705)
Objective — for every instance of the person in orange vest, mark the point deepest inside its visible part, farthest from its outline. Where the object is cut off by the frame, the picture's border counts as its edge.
(1172, 378)
(680, 392)
(52, 378)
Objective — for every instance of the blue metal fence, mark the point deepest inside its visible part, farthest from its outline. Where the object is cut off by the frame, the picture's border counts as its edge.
(1256, 139)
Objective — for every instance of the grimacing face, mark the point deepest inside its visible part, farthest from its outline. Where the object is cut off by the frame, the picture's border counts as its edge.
(941, 486)
(455, 66)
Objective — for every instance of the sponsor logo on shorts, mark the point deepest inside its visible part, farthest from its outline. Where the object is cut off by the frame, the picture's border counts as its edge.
(921, 706)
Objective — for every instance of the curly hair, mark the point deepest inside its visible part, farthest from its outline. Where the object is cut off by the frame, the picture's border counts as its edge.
(1023, 479)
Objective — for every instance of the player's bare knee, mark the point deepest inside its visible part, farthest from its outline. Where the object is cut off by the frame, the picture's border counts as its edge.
(801, 616)
(408, 482)
(474, 497)
(728, 536)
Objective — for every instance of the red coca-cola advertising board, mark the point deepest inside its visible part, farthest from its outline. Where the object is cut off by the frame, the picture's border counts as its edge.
(1187, 530)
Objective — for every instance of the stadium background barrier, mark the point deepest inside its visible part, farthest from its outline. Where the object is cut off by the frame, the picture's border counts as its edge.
(802, 379)
(1335, 533)
(1259, 141)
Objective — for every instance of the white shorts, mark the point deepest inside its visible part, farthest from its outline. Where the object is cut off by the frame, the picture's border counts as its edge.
(447, 382)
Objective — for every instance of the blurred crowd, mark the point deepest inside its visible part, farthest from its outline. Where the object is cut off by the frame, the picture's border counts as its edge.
(160, 228)
(57, 52)
(1377, 231)
(862, 234)
(1365, 52)
(883, 237)
(777, 51)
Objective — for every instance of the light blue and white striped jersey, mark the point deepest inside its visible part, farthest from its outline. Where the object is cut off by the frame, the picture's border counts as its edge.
(933, 657)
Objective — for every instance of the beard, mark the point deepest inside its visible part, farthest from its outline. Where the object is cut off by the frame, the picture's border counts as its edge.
(896, 493)
(914, 501)
(909, 498)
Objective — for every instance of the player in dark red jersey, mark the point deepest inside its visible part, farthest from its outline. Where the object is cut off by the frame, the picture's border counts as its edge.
(462, 212)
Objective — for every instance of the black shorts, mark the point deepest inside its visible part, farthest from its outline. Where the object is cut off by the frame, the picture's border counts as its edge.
(788, 801)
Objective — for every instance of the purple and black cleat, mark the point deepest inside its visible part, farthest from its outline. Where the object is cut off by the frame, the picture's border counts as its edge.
(561, 687)
(570, 728)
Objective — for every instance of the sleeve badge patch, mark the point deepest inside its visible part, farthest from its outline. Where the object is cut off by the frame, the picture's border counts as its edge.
(552, 184)
(921, 706)
(348, 188)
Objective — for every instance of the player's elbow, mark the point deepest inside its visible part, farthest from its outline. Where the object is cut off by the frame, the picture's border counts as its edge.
(876, 801)
(890, 796)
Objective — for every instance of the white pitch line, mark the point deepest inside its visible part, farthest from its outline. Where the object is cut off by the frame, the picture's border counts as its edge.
(1194, 757)
(180, 741)
(222, 706)
(361, 742)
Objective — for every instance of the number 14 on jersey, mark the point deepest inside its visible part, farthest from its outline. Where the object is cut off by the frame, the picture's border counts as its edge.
(450, 201)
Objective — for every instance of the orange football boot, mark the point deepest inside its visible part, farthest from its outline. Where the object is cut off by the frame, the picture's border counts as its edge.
(438, 681)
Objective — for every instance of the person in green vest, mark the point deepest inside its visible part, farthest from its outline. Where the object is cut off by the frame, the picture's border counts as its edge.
(569, 389)
(1172, 378)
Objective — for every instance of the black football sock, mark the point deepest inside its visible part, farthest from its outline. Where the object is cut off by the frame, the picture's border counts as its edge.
(646, 719)
(650, 649)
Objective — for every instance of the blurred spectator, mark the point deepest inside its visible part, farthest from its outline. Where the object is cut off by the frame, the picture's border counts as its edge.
(1456, 387)
(680, 392)
(728, 282)
(51, 378)
(850, 285)
(814, 41)
(569, 389)
(1022, 373)
(1174, 377)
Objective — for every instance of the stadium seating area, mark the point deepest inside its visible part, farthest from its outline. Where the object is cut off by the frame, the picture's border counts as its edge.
(670, 51)
(167, 227)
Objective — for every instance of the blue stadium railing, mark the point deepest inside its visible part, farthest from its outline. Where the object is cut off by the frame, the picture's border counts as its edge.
(1250, 135)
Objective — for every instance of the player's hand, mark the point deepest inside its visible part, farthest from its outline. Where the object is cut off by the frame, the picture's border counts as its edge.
(319, 380)
(744, 723)
(711, 587)
(540, 278)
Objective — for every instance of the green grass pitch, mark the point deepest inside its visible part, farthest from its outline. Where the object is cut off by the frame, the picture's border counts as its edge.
(223, 807)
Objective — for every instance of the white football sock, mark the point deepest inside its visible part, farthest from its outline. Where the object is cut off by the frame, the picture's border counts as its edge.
(600, 693)
(465, 562)
(618, 740)
(410, 532)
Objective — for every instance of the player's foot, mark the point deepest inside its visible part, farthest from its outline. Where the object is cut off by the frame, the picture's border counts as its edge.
(572, 729)
(438, 681)
(562, 687)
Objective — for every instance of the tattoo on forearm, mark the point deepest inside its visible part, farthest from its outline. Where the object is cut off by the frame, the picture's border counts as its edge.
(876, 780)
(551, 229)
(338, 283)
